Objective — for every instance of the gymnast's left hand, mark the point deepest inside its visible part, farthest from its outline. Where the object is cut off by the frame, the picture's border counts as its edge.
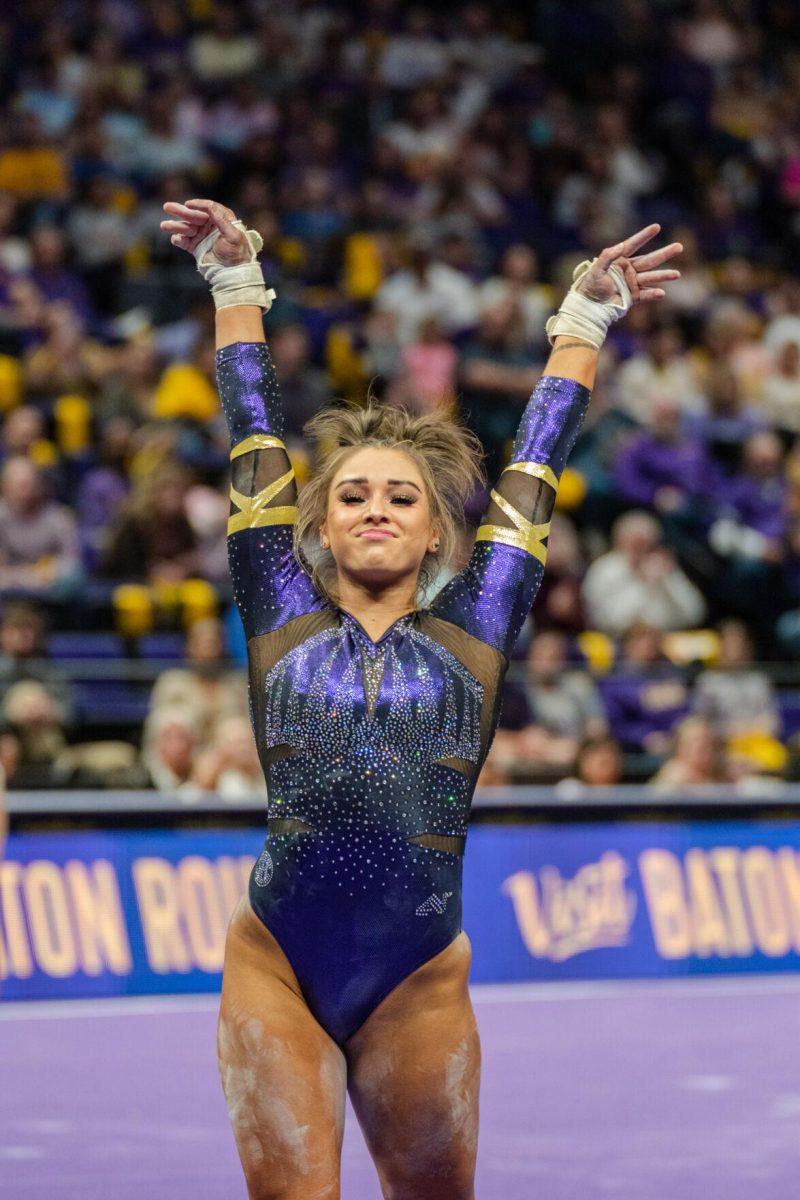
(645, 274)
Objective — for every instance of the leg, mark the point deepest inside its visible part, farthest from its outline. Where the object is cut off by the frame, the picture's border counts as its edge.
(414, 1072)
(283, 1077)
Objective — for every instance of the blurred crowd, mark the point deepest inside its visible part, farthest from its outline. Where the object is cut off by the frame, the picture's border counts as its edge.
(425, 181)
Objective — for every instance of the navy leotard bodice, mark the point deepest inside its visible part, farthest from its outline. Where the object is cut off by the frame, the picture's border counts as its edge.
(371, 749)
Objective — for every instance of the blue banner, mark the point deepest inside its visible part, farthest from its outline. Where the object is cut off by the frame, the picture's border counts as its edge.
(144, 912)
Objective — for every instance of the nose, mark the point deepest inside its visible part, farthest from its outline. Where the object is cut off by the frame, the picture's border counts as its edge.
(376, 510)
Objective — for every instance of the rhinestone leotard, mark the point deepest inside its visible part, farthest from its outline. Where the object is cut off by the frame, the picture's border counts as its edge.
(371, 749)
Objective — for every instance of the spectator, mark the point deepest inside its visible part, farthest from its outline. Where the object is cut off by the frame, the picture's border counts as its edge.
(598, 763)
(170, 747)
(646, 695)
(38, 537)
(561, 705)
(230, 767)
(662, 372)
(35, 723)
(496, 380)
(24, 653)
(153, 539)
(518, 282)
(424, 289)
(639, 581)
(697, 760)
(661, 467)
(205, 687)
(780, 402)
(304, 388)
(734, 696)
(749, 534)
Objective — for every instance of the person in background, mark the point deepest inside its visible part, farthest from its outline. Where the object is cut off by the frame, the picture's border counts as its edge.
(662, 372)
(561, 706)
(780, 397)
(698, 759)
(34, 723)
(639, 580)
(153, 539)
(646, 695)
(205, 686)
(39, 551)
(518, 280)
(598, 763)
(734, 696)
(230, 766)
(169, 749)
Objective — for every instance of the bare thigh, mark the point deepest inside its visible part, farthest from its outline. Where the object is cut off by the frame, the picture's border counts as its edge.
(414, 1075)
(284, 1079)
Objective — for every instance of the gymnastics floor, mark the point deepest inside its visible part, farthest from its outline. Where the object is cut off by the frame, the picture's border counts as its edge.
(680, 1090)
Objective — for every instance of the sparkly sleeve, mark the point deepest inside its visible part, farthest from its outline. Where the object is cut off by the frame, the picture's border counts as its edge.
(492, 596)
(269, 584)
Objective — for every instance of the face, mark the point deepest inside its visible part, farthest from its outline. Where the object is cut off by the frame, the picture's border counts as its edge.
(547, 655)
(378, 523)
(600, 765)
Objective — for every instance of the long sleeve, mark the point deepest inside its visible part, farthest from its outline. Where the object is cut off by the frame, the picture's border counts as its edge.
(269, 584)
(492, 596)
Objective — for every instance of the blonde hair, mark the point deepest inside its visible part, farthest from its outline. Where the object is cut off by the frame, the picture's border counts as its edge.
(449, 457)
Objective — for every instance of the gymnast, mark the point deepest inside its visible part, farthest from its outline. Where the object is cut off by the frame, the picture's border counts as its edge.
(346, 966)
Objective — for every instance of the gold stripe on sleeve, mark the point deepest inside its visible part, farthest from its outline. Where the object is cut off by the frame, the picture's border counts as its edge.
(524, 535)
(253, 511)
(257, 441)
(538, 471)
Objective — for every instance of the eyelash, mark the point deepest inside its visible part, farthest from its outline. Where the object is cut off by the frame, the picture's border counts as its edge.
(405, 500)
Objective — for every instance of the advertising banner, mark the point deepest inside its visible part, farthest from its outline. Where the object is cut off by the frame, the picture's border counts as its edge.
(125, 912)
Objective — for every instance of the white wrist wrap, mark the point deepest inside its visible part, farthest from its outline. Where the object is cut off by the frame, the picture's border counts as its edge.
(242, 284)
(585, 319)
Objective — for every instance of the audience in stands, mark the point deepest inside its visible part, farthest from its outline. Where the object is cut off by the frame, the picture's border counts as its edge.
(646, 695)
(205, 686)
(39, 552)
(422, 213)
(639, 580)
(734, 696)
(170, 743)
(598, 763)
(698, 759)
(33, 737)
(230, 765)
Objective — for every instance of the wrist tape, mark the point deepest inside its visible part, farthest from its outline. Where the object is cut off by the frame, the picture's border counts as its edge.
(240, 284)
(584, 319)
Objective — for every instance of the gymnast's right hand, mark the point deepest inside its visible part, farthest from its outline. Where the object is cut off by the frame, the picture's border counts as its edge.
(191, 223)
(226, 252)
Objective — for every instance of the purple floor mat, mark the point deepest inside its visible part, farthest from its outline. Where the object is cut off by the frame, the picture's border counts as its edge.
(681, 1091)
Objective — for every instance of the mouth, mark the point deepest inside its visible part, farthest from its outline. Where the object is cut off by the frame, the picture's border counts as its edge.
(372, 535)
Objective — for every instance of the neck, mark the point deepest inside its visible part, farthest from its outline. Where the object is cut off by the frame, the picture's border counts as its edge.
(375, 607)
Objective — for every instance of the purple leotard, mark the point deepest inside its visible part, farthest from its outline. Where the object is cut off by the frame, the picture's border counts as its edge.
(371, 749)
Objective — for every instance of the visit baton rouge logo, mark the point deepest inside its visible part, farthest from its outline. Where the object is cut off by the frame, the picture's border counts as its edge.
(559, 918)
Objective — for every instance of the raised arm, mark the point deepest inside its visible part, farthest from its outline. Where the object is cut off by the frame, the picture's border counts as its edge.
(494, 593)
(270, 586)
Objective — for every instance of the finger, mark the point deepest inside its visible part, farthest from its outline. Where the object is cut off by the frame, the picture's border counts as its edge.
(629, 246)
(178, 227)
(182, 240)
(656, 257)
(193, 215)
(211, 208)
(651, 294)
(630, 277)
(651, 277)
